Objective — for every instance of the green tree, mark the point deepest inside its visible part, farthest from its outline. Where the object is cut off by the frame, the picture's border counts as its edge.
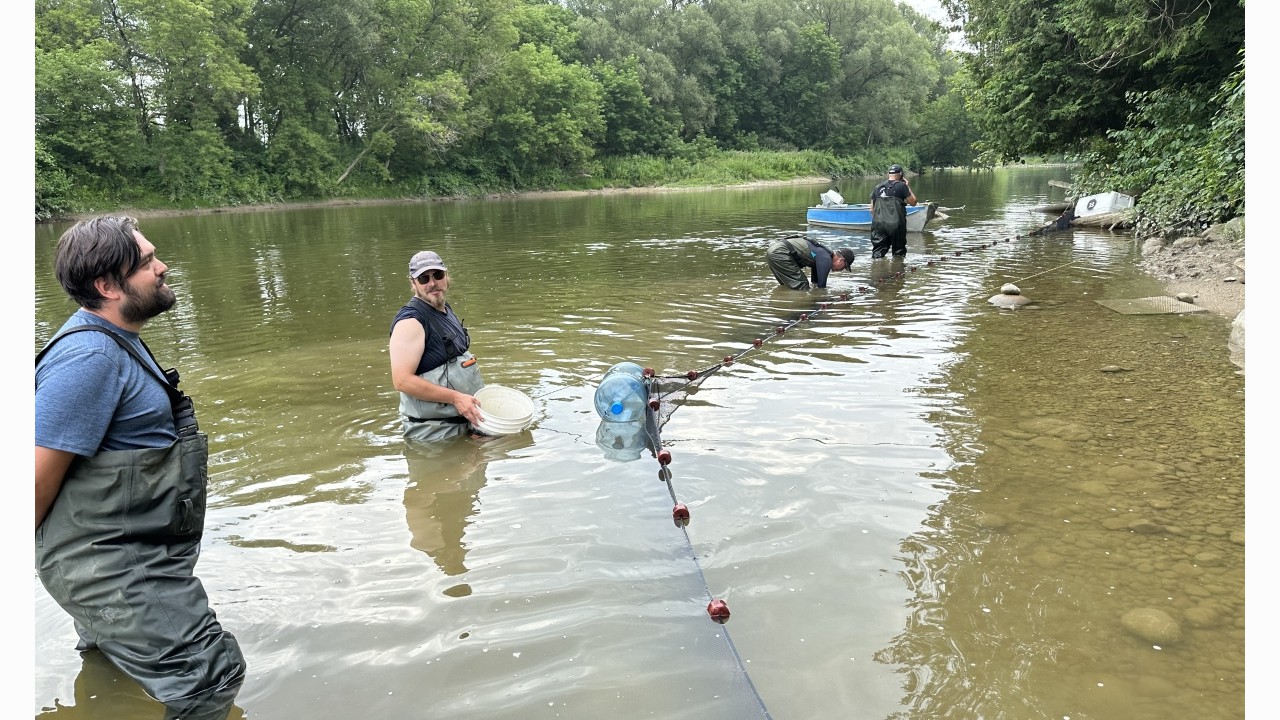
(758, 36)
(147, 88)
(888, 73)
(810, 76)
(53, 185)
(545, 117)
(668, 42)
(301, 160)
(633, 126)
(83, 114)
(947, 132)
(1051, 74)
(1182, 151)
(549, 24)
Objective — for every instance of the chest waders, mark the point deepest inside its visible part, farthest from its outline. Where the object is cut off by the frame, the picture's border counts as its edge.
(117, 551)
(427, 420)
(787, 258)
(888, 222)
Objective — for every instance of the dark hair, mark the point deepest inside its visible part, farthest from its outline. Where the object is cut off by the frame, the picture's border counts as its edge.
(102, 247)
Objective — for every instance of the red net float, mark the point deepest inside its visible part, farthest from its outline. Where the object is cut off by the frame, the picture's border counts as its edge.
(680, 513)
(718, 610)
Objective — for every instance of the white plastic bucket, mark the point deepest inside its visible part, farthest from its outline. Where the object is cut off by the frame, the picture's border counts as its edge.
(503, 410)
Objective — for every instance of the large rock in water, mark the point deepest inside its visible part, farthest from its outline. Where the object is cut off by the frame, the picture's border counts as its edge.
(1154, 626)
(1235, 342)
(1010, 297)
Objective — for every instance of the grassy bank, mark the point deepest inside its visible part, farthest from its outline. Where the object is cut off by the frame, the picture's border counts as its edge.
(695, 168)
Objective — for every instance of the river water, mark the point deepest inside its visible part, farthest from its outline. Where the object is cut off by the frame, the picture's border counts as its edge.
(915, 504)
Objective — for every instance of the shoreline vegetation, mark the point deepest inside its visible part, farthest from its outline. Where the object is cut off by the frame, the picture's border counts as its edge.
(1189, 273)
(142, 213)
(706, 169)
(721, 170)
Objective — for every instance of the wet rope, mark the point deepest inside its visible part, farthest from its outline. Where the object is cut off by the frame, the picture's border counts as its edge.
(1045, 272)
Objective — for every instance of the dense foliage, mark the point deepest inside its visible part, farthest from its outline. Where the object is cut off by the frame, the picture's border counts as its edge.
(221, 102)
(1182, 151)
(204, 102)
(1150, 94)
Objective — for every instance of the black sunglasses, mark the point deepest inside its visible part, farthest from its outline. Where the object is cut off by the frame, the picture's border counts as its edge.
(428, 275)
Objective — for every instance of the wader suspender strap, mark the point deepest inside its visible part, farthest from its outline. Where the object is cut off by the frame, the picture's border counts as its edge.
(793, 251)
(451, 349)
(184, 417)
(886, 185)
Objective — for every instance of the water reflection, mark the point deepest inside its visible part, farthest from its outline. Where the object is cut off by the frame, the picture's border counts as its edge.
(442, 494)
(623, 441)
(103, 692)
(918, 243)
(440, 497)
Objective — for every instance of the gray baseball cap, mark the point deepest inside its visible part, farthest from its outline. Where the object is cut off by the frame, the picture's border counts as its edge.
(425, 260)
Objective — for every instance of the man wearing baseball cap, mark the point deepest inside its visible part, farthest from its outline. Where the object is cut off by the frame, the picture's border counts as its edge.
(789, 256)
(431, 363)
(889, 214)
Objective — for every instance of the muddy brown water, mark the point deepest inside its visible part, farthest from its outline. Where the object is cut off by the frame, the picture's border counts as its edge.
(917, 505)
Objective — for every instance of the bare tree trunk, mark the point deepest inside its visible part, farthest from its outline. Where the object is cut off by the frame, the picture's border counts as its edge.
(359, 157)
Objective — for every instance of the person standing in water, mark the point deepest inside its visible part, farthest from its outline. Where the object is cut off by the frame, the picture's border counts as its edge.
(431, 363)
(789, 256)
(889, 214)
(121, 474)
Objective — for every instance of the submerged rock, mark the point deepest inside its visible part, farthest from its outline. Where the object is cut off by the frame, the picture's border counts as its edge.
(1155, 626)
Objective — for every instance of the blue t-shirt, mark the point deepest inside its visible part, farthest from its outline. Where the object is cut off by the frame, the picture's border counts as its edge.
(821, 255)
(92, 396)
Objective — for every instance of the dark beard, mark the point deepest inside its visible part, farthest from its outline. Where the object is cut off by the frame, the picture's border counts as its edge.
(140, 307)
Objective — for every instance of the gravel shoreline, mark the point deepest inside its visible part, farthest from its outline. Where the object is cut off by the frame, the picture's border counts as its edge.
(1208, 267)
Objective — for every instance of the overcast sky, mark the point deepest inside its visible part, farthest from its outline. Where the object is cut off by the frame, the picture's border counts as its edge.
(933, 9)
(930, 8)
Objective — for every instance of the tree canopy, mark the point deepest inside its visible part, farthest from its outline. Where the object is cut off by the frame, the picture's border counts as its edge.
(242, 101)
(1051, 75)
(231, 101)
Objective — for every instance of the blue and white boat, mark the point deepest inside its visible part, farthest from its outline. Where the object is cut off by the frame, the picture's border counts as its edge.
(835, 212)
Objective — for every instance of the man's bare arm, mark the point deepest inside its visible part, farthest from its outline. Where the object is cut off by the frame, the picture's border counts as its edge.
(405, 348)
(51, 468)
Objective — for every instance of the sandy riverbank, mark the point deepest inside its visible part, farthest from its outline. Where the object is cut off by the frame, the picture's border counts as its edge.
(1210, 269)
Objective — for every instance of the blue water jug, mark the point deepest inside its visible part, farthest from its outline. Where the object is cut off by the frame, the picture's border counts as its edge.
(622, 394)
